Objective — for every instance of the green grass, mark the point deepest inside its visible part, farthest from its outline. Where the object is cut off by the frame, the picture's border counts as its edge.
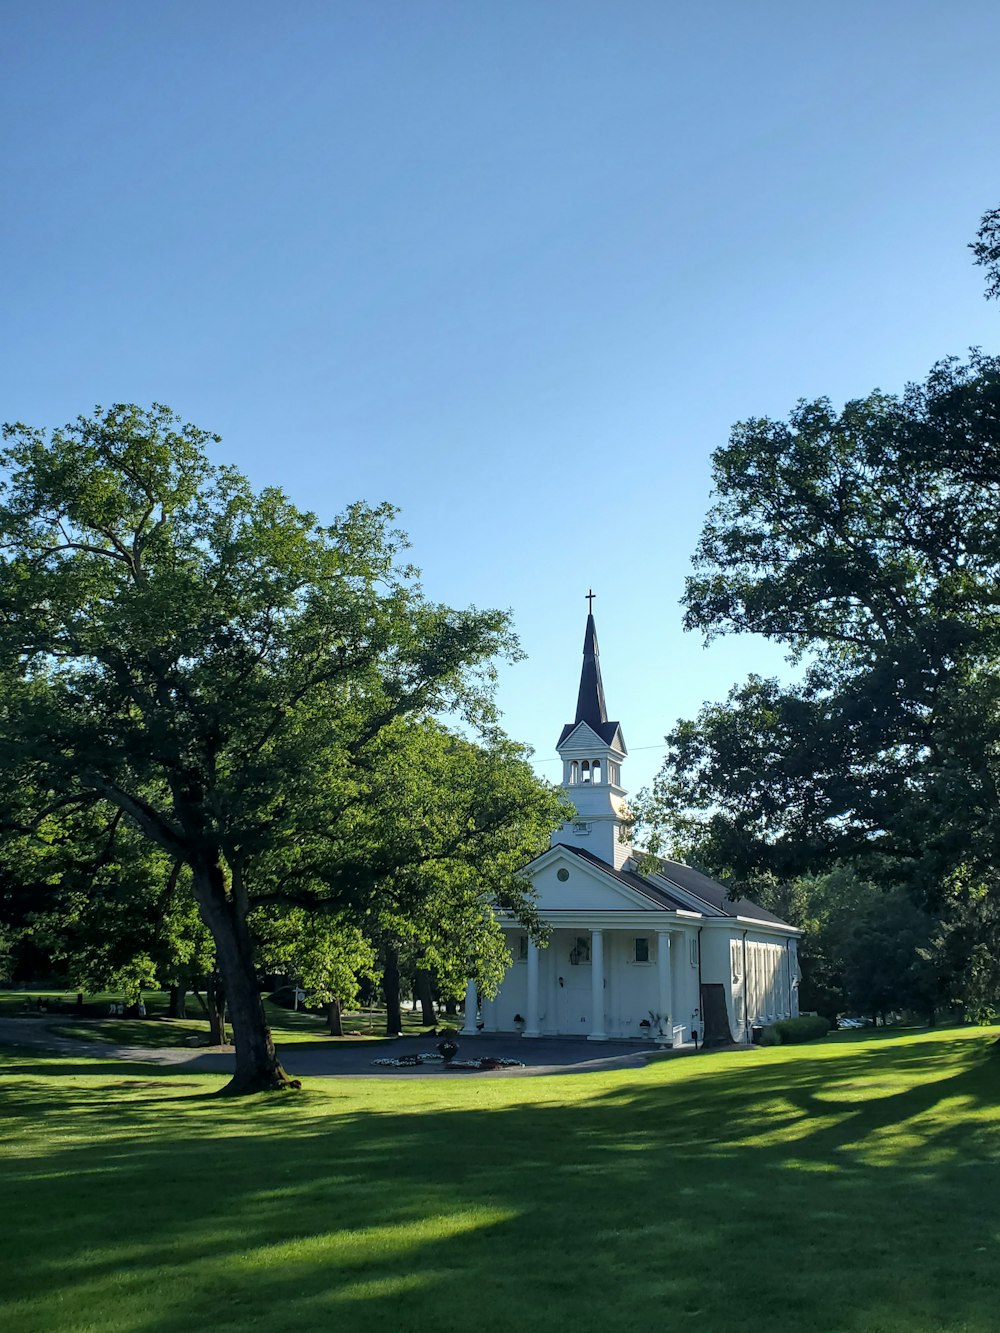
(288, 1027)
(852, 1185)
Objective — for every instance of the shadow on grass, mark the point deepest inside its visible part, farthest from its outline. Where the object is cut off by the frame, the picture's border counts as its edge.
(849, 1189)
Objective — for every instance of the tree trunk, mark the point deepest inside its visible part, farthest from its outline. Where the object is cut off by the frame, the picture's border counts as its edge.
(177, 1008)
(451, 1007)
(424, 990)
(390, 984)
(334, 1018)
(216, 997)
(258, 1068)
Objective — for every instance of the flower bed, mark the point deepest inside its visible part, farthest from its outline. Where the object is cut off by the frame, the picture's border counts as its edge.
(427, 1058)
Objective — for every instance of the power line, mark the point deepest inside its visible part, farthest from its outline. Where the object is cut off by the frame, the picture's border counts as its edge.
(634, 750)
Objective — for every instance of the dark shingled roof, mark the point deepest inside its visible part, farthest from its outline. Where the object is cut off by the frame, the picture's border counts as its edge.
(590, 705)
(713, 893)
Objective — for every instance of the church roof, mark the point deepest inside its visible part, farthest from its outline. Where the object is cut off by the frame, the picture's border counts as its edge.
(590, 705)
(711, 892)
(638, 883)
(698, 892)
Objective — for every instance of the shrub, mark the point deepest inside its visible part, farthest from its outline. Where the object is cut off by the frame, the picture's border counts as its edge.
(789, 1030)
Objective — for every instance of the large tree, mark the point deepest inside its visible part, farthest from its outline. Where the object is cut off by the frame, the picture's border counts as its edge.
(866, 541)
(216, 667)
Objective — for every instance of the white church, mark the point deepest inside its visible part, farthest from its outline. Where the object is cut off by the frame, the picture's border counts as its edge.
(664, 956)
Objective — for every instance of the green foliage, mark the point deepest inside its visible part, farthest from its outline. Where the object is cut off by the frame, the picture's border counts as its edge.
(326, 954)
(864, 540)
(965, 946)
(246, 687)
(986, 248)
(101, 906)
(791, 1031)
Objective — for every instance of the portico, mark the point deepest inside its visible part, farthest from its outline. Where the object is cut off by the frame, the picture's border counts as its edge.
(613, 976)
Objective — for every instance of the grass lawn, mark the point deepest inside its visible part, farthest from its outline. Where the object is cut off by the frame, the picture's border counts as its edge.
(852, 1185)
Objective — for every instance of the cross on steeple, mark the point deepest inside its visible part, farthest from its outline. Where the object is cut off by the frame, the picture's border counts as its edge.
(590, 601)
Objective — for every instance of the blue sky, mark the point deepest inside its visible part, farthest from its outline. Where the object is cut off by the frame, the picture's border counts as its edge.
(516, 267)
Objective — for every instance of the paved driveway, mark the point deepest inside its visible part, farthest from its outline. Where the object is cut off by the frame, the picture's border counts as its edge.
(332, 1059)
(540, 1055)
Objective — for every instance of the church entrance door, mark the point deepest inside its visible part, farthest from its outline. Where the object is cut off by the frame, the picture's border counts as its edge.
(573, 986)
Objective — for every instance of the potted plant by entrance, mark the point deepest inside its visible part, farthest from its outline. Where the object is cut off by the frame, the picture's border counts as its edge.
(645, 1029)
(447, 1047)
(519, 1023)
(660, 1024)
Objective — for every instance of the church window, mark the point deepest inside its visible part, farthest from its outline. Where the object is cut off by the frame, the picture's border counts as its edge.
(641, 949)
(580, 952)
(595, 770)
(522, 948)
(585, 771)
(735, 961)
(581, 827)
(574, 772)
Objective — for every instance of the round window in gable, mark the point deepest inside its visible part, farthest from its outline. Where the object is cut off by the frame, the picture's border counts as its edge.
(562, 875)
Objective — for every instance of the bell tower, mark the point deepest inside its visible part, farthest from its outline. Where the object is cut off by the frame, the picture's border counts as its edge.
(592, 749)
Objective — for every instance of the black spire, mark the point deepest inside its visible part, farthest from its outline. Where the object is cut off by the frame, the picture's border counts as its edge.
(590, 705)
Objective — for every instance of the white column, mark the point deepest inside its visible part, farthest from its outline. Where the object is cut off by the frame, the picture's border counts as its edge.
(678, 974)
(531, 1017)
(469, 1027)
(663, 980)
(597, 1032)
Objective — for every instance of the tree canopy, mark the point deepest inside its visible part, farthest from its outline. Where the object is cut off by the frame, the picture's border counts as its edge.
(866, 541)
(241, 684)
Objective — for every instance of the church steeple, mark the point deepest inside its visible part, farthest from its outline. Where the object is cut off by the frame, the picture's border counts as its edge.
(592, 748)
(590, 705)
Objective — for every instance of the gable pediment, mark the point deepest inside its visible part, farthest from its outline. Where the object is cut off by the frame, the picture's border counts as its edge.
(565, 882)
(581, 738)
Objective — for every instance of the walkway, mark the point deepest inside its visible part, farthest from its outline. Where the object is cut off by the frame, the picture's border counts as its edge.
(340, 1058)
